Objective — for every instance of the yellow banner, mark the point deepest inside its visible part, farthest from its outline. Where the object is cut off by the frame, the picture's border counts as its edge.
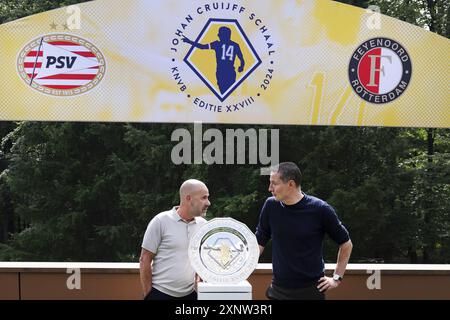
(271, 62)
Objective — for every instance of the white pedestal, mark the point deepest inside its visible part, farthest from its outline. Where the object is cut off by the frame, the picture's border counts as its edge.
(239, 291)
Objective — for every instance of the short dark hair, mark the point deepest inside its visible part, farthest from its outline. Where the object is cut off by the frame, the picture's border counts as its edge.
(225, 32)
(288, 171)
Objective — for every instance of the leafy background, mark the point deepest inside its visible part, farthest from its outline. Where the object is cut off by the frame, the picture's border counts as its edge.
(86, 191)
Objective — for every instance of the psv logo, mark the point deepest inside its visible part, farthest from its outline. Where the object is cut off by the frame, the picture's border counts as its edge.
(61, 65)
(380, 70)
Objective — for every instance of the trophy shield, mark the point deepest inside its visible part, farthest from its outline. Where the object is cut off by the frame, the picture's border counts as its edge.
(224, 251)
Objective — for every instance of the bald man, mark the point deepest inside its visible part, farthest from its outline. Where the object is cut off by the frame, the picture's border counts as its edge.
(165, 271)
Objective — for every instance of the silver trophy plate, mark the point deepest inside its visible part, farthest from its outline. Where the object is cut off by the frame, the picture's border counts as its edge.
(224, 251)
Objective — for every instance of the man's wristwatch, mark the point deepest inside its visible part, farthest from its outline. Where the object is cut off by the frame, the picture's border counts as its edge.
(337, 277)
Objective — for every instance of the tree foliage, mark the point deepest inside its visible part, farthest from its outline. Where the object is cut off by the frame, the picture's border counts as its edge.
(86, 191)
(14, 9)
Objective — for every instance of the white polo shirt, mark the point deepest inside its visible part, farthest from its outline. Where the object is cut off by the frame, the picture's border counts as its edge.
(167, 236)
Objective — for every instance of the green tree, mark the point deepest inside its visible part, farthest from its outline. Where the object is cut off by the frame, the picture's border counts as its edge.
(7, 223)
(86, 191)
(433, 15)
(429, 14)
(14, 9)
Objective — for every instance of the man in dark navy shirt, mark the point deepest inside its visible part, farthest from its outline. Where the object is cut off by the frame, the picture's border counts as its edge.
(297, 223)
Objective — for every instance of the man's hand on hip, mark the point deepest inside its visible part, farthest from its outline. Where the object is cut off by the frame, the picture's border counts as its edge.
(326, 283)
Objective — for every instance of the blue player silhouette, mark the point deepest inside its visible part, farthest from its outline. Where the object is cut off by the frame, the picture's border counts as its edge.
(226, 52)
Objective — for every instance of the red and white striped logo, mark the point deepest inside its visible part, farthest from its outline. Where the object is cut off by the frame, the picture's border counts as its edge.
(61, 65)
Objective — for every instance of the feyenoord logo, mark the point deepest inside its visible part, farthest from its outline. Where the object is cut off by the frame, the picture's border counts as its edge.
(61, 65)
(380, 70)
